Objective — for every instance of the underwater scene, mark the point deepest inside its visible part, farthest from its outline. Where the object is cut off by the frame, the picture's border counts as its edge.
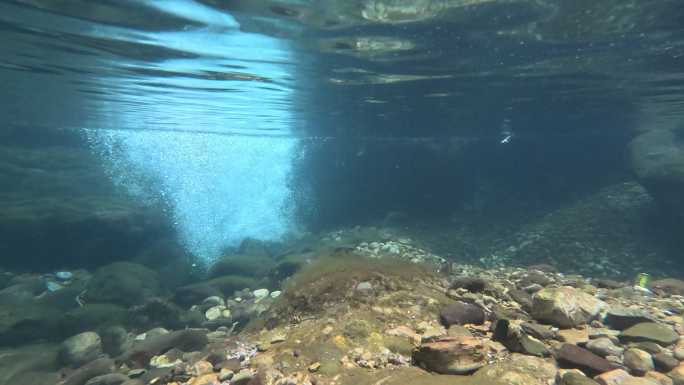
(341, 192)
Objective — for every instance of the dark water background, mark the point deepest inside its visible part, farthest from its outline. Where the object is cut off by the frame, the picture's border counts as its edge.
(395, 108)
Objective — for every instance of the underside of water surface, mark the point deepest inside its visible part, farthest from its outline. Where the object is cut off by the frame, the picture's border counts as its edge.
(341, 192)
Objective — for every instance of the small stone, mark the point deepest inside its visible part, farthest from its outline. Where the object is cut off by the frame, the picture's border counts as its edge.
(135, 373)
(659, 378)
(665, 362)
(108, 379)
(163, 361)
(278, 338)
(214, 312)
(604, 347)
(461, 313)
(574, 378)
(214, 300)
(225, 374)
(679, 354)
(638, 361)
(314, 367)
(364, 286)
(200, 368)
(260, 294)
(677, 375)
(225, 313)
(64, 275)
(276, 294)
(242, 378)
(205, 379)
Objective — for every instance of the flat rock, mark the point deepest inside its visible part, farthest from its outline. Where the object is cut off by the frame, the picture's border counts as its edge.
(650, 331)
(565, 306)
(621, 377)
(574, 357)
(572, 378)
(517, 370)
(603, 347)
(461, 313)
(452, 355)
(622, 318)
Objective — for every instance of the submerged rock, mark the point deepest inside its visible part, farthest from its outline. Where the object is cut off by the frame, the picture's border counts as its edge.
(650, 331)
(622, 318)
(517, 370)
(574, 357)
(452, 355)
(565, 306)
(461, 313)
(80, 349)
(638, 361)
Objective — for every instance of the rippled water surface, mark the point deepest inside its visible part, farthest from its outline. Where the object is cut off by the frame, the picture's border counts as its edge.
(282, 68)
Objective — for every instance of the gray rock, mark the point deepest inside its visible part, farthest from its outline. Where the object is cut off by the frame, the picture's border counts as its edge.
(623, 318)
(572, 378)
(565, 306)
(604, 347)
(80, 349)
(108, 379)
(650, 331)
(461, 313)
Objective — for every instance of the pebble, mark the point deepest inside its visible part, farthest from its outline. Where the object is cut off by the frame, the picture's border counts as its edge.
(260, 294)
(214, 312)
(314, 367)
(604, 347)
(64, 275)
(276, 294)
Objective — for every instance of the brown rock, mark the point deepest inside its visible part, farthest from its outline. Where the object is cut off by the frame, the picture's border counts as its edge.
(571, 356)
(452, 355)
(660, 378)
(638, 361)
(461, 313)
(677, 375)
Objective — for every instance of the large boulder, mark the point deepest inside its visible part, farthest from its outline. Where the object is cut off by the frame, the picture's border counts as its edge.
(657, 158)
(565, 306)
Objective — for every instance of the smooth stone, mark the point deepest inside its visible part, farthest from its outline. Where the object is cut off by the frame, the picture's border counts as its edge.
(472, 284)
(565, 306)
(260, 293)
(638, 361)
(518, 369)
(214, 312)
(364, 286)
(572, 356)
(108, 379)
(276, 294)
(659, 378)
(214, 300)
(665, 362)
(542, 332)
(622, 318)
(650, 331)
(677, 375)
(604, 347)
(572, 378)
(461, 313)
(64, 275)
(452, 355)
(242, 378)
(80, 349)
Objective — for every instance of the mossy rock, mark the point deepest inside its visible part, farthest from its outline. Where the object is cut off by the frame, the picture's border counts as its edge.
(123, 283)
(243, 265)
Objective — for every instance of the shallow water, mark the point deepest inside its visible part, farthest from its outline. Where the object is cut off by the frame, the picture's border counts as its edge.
(163, 152)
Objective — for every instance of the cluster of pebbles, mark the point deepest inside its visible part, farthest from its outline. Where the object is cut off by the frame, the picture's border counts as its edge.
(400, 248)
